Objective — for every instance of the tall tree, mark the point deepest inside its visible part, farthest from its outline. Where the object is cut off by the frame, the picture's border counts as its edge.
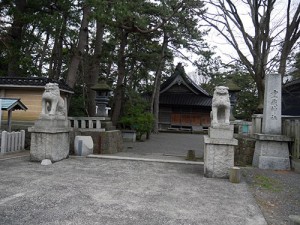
(79, 49)
(157, 81)
(292, 34)
(15, 37)
(257, 37)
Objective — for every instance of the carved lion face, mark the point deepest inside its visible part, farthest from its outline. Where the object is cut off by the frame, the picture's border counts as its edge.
(52, 88)
(221, 90)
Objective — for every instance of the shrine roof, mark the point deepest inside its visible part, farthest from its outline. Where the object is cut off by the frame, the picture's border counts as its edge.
(33, 82)
(12, 104)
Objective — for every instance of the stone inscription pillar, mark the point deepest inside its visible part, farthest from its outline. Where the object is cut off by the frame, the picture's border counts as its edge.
(271, 148)
(272, 105)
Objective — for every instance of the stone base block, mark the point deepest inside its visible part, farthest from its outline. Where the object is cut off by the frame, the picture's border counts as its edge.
(218, 157)
(52, 146)
(221, 132)
(111, 142)
(129, 135)
(270, 154)
(83, 145)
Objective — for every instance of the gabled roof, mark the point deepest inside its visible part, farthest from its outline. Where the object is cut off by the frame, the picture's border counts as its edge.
(12, 104)
(181, 78)
(33, 82)
(180, 90)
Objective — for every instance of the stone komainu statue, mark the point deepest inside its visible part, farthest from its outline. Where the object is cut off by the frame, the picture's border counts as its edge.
(220, 106)
(52, 103)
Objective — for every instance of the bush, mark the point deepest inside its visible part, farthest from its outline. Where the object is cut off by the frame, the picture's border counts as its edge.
(137, 118)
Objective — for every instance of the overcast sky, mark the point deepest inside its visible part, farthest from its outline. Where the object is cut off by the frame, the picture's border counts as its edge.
(224, 50)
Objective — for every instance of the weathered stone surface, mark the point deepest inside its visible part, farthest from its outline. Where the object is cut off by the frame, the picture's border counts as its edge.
(50, 124)
(271, 155)
(220, 107)
(46, 162)
(129, 135)
(53, 146)
(235, 175)
(217, 165)
(105, 142)
(218, 157)
(273, 137)
(49, 139)
(220, 141)
(111, 142)
(271, 148)
(224, 132)
(244, 151)
(52, 103)
(83, 145)
(272, 105)
(294, 220)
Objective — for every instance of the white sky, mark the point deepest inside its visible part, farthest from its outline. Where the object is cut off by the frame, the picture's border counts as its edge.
(224, 50)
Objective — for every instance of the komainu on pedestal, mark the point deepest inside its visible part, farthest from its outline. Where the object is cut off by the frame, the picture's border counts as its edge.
(50, 133)
(219, 143)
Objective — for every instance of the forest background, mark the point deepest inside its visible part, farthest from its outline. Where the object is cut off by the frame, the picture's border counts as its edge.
(133, 45)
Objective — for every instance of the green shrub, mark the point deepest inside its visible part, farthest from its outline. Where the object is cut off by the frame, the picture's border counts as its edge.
(136, 117)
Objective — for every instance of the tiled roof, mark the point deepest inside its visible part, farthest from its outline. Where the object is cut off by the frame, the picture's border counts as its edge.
(12, 104)
(33, 81)
(187, 99)
(177, 76)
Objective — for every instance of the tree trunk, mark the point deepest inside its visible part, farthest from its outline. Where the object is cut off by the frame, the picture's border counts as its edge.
(15, 41)
(82, 42)
(260, 84)
(93, 75)
(59, 54)
(156, 91)
(291, 37)
(45, 46)
(119, 91)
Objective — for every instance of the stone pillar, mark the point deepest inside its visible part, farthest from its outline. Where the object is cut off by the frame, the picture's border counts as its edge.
(271, 148)
(272, 105)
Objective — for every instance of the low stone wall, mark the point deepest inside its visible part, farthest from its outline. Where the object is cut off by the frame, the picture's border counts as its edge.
(111, 142)
(244, 151)
(105, 142)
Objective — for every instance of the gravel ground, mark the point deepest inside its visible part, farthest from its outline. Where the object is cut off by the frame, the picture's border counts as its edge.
(276, 192)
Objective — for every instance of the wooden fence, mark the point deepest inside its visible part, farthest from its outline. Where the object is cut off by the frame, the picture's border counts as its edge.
(12, 141)
(290, 128)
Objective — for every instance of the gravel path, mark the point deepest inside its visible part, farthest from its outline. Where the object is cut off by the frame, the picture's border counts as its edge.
(276, 192)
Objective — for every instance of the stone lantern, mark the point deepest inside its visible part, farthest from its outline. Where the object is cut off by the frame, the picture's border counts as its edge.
(102, 97)
(233, 90)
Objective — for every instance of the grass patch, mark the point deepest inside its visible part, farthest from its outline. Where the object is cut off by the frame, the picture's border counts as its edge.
(267, 183)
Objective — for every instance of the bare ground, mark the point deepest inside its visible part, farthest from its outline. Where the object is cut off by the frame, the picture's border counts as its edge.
(276, 192)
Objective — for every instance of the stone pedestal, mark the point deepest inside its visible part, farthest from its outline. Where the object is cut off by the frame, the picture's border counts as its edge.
(271, 152)
(49, 139)
(111, 142)
(271, 148)
(219, 151)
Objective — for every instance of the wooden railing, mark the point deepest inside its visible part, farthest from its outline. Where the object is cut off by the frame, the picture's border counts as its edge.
(86, 123)
(290, 128)
(12, 141)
